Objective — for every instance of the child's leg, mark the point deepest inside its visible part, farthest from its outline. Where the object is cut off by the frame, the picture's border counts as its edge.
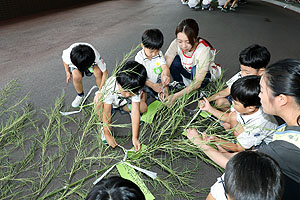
(98, 75)
(143, 104)
(77, 81)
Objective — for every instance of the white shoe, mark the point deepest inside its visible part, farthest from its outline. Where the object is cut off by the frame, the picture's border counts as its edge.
(184, 2)
(103, 136)
(77, 101)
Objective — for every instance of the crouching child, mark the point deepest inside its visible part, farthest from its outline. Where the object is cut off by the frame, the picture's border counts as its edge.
(123, 91)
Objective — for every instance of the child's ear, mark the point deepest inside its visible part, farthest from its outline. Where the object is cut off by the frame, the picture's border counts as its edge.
(261, 71)
(251, 108)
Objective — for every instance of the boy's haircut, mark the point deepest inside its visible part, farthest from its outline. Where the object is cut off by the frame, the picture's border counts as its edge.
(153, 39)
(132, 76)
(246, 91)
(115, 188)
(190, 28)
(255, 56)
(82, 56)
(251, 175)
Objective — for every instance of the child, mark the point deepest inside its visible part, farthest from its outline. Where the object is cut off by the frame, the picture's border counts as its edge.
(206, 5)
(79, 59)
(253, 61)
(115, 188)
(249, 175)
(252, 127)
(154, 62)
(232, 7)
(123, 91)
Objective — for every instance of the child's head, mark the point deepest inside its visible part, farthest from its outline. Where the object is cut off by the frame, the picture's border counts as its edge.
(254, 59)
(115, 188)
(245, 93)
(82, 56)
(152, 41)
(253, 175)
(187, 34)
(131, 77)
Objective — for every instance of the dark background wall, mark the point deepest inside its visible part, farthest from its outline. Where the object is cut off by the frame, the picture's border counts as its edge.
(16, 8)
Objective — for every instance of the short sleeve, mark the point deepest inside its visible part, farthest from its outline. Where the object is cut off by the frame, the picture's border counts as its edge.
(172, 50)
(233, 79)
(98, 60)
(136, 98)
(66, 56)
(139, 57)
(218, 190)
(162, 59)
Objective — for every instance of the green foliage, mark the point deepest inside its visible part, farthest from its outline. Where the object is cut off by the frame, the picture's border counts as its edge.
(49, 156)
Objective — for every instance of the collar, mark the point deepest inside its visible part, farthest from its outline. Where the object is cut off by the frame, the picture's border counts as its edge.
(247, 118)
(145, 57)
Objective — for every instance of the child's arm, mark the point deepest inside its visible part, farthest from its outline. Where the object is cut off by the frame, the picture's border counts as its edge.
(155, 86)
(223, 116)
(165, 75)
(228, 145)
(220, 158)
(135, 120)
(222, 94)
(68, 73)
(106, 116)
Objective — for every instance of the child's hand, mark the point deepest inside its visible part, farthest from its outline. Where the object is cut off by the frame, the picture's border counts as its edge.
(157, 87)
(165, 80)
(204, 104)
(193, 136)
(69, 75)
(111, 141)
(136, 143)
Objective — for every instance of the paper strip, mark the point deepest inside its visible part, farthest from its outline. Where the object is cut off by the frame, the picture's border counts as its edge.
(148, 116)
(129, 173)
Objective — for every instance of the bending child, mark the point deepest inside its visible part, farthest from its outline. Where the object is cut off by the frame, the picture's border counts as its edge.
(79, 59)
(253, 61)
(250, 125)
(123, 91)
(153, 60)
(249, 175)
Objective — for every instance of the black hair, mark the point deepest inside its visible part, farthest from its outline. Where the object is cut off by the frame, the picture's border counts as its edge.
(153, 39)
(132, 76)
(82, 56)
(246, 91)
(115, 188)
(190, 28)
(283, 77)
(255, 56)
(251, 175)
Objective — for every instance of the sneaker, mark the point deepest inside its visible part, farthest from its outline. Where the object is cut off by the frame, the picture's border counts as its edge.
(232, 9)
(220, 7)
(103, 137)
(224, 10)
(176, 86)
(77, 101)
(210, 9)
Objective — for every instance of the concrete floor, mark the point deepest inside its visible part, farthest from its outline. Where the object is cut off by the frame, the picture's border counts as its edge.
(31, 46)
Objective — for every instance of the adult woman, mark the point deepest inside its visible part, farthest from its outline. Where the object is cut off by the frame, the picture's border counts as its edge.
(280, 95)
(189, 58)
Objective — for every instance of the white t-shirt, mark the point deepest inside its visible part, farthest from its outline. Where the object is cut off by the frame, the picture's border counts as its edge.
(66, 56)
(203, 55)
(233, 79)
(258, 127)
(153, 66)
(112, 95)
(218, 189)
